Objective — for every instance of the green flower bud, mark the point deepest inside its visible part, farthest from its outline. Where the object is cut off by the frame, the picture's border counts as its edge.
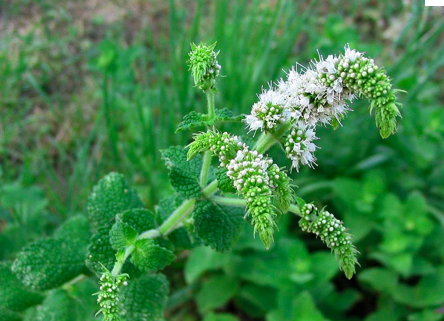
(204, 66)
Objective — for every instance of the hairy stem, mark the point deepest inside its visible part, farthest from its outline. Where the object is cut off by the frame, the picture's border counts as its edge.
(267, 139)
(119, 263)
(181, 213)
(210, 189)
(238, 202)
(230, 201)
(206, 164)
(210, 103)
(207, 155)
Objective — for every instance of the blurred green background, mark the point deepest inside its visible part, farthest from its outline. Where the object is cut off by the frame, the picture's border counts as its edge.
(89, 87)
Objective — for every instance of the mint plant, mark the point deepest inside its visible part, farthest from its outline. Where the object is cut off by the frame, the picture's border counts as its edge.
(127, 246)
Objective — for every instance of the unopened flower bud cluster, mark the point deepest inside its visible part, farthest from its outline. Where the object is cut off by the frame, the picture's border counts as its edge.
(253, 175)
(204, 66)
(108, 297)
(320, 94)
(332, 232)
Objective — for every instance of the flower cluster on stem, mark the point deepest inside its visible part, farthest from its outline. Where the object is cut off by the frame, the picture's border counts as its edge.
(320, 94)
(108, 296)
(333, 233)
(263, 184)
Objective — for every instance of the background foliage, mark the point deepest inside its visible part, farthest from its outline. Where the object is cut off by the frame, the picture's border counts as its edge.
(88, 87)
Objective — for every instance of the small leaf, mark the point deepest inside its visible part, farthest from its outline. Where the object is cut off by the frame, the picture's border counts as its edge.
(148, 256)
(111, 196)
(122, 235)
(145, 298)
(13, 294)
(218, 226)
(379, 279)
(195, 119)
(184, 175)
(203, 259)
(100, 250)
(216, 292)
(224, 183)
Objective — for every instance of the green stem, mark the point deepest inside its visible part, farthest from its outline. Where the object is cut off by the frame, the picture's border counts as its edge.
(207, 155)
(206, 164)
(230, 201)
(268, 139)
(210, 189)
(181, 213)
(238, 202)
(210, 104)
(119, 263)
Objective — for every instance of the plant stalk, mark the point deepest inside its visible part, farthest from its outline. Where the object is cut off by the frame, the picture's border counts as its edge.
(182, 212)
(267, 139)
(119, 263)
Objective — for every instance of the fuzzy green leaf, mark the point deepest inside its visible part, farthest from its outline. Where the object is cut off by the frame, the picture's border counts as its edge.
(148, 256)
(195, 119)
(184, 175)
(218, 226)
(100, 250)
(48, 263)
(111, 196)
(122, 235)
(13, 294)
(76, 227)
(179, 237)
(224, 183)
(145, 298)
(58, 306)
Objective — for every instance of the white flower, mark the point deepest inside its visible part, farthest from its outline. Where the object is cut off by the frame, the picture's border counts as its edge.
(352, 54)
(268, 112)
(299, 145)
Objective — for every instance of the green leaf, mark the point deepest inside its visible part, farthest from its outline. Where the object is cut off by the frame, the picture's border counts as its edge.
(179, 237)
(145, 298)
(220, 317)
(303, 309)
(48, 263)
(76, 227)
(148, 256)
(195, 119)
(429, 292)
(122, 235)
(216, 292)
(111, 196)
(100, 250)
(7, 315)
(13, 294)
(58, 306)
(379, 279)
(224, 183)
(203, 259)
(218, 226)
(184, 175)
